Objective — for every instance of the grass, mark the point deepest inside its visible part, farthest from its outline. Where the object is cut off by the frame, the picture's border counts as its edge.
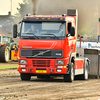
(8, 67)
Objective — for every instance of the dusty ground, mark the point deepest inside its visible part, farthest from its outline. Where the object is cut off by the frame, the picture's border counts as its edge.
(12, 88)
(10, 63)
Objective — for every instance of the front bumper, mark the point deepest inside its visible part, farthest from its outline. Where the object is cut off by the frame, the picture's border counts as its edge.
(44, 71)
(44, 66)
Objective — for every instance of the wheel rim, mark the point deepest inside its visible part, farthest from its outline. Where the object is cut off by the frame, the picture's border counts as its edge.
(6, 54)
(86, 73)
(72, 74)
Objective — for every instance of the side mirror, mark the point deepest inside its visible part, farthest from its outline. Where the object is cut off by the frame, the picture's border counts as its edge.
(14, 30)
(72, 31)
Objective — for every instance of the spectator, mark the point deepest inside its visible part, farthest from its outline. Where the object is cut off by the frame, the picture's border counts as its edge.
(15, 54)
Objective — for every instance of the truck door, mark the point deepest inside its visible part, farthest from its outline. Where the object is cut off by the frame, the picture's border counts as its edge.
(71, 39)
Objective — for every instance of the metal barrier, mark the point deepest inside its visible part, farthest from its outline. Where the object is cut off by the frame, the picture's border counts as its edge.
(94, 57)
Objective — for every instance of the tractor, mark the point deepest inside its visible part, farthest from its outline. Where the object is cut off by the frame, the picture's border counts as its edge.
(6, 44)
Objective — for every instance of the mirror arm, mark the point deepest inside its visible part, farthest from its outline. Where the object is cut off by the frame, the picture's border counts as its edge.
(68, 35)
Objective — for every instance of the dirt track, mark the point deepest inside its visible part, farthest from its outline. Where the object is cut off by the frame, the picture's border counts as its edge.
(10, 63)
(12, 88)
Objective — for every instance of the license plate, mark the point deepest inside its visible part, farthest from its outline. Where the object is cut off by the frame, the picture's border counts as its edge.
(41, 71)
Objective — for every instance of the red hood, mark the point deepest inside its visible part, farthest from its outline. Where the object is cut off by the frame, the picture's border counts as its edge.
(40, 44)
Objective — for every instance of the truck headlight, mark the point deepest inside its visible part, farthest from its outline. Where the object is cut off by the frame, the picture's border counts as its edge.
(60, 62)
(22, 65)
(23, 62)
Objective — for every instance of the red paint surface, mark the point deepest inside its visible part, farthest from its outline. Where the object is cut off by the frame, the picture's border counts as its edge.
(79, 64)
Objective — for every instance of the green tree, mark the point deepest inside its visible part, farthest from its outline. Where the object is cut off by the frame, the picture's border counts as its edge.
(24, 8)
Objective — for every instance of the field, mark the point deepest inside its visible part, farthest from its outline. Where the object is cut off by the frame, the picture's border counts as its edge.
(13, 88)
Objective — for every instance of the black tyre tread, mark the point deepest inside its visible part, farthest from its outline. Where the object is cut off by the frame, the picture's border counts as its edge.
(2, 53)
(25, 76)
(67, 77)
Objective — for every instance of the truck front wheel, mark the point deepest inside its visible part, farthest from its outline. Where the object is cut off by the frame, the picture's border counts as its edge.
(25, 76)
(70, 77)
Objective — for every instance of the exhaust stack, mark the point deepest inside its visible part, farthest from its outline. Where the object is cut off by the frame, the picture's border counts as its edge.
(99, 31)
(35, 4)
(73, 12)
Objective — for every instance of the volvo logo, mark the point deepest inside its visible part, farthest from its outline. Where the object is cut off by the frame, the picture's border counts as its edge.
(26, 46)
(40, 53)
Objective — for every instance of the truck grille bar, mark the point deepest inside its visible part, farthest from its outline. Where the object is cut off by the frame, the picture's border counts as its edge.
(41, 63)
(41, 53)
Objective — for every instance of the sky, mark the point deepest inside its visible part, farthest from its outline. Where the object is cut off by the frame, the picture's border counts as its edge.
(5, 6)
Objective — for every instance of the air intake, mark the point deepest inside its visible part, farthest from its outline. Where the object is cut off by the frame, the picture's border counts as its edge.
(71, 12)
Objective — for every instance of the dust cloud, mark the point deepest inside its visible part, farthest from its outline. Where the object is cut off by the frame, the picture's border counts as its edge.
(88, 12)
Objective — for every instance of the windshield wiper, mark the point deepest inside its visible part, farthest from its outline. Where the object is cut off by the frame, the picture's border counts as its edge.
(51, 34)
(30, 37)
(34, 35)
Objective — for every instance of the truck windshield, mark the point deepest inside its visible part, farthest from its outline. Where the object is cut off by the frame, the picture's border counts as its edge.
(54, 30)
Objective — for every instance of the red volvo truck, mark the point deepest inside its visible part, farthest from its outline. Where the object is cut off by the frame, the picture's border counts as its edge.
(47, 47)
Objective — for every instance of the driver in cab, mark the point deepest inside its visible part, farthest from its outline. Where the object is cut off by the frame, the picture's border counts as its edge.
(32, 30)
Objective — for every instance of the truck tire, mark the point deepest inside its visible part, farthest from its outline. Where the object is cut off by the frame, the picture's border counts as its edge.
(25, 76)
(4, 53)
(70, 77)
(85, 75)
